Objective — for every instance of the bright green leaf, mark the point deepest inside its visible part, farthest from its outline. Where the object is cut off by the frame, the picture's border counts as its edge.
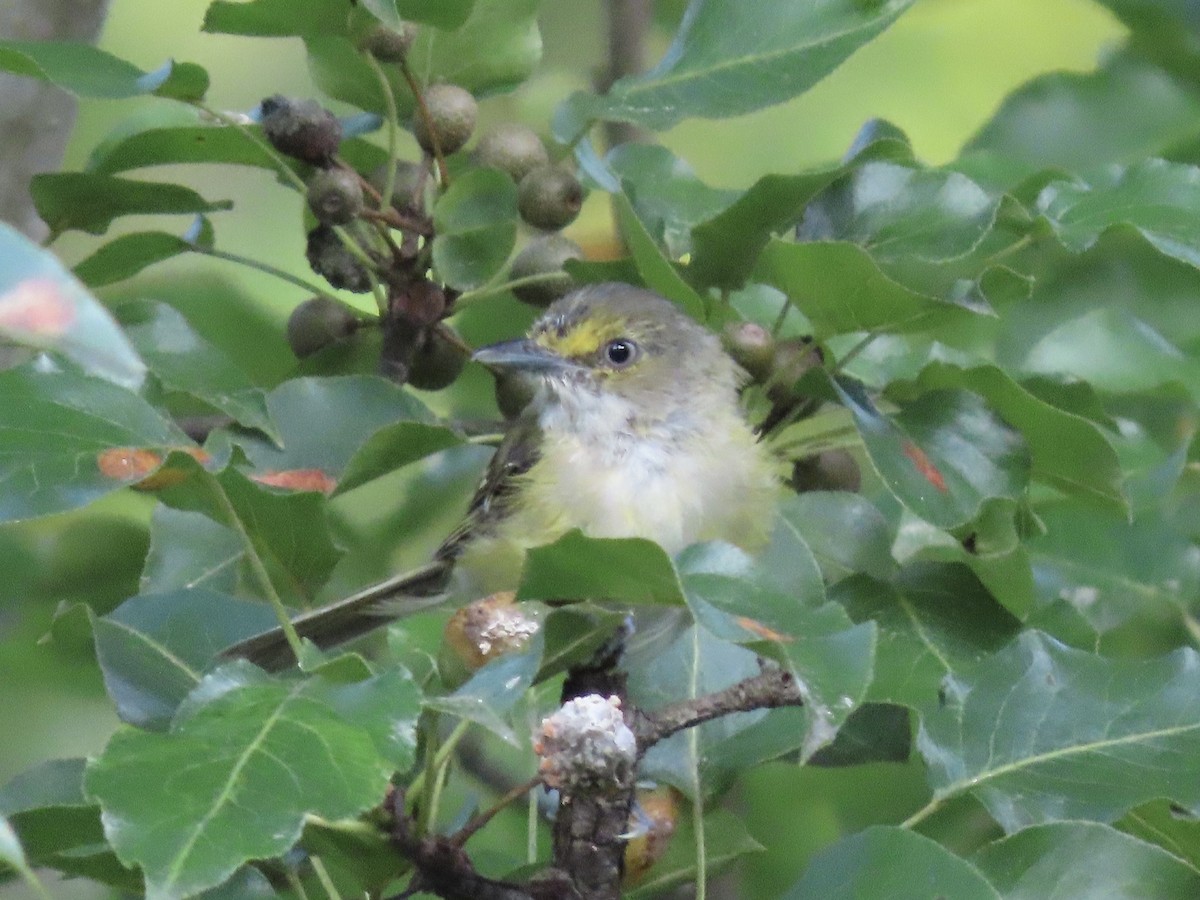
(91, 72)
(658, 272)
(575, 567)
(476, 222)
(276, 18)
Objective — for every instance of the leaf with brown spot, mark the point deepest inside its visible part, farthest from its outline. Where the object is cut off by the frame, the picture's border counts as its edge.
(298, 480)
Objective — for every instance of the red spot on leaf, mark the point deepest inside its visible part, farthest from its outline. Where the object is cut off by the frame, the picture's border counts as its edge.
(767, 634)
(36, 306)
(925, 466)
(298, 480)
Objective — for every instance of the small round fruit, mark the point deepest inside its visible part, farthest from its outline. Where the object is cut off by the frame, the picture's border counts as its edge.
(331, 260)
(545, 255)
(514, 392)
(829, 470)
(753, 347)
(388, 44)
(549, 198)
(317, 323)
(301, 129)
(452, 112)
(437, 360)
(335, 196)
(513, 149)
(404, 184)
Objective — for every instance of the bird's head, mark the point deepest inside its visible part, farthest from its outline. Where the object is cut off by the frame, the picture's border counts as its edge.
(614, 341)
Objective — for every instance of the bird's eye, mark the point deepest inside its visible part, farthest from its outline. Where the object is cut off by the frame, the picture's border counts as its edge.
(620, 352)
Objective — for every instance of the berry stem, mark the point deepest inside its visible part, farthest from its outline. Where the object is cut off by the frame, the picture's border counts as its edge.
(393, 127)
(266, 268)
(491, 290)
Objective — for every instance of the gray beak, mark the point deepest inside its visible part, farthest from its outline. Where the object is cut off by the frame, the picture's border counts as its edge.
(523, 356)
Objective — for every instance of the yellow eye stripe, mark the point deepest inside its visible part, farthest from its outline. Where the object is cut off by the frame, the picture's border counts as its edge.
(585, 339)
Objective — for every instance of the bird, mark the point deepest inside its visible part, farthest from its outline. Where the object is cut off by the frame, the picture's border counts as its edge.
(634, 430)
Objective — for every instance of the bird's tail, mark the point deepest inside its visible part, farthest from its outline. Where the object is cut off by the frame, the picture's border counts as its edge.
(349, 618)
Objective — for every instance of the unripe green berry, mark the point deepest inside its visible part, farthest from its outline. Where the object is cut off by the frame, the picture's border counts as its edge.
(544, 255)
(301, 129)
(387, 44)
(437, 360)
(514, 392)
(549, 198)
(452, 112)
(404, 184)
(513, 149)
(317, 323)
(335, 196)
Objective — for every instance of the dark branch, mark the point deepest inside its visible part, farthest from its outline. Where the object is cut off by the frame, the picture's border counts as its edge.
(771, 689)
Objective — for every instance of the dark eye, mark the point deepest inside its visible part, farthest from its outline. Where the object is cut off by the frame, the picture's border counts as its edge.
(620, 352)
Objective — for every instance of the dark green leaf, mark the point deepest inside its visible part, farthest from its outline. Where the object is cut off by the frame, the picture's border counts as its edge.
(176, 137)
(125, 256)
(726, 840)
(1160, 822)
(1084, 861)
(1066, 450)
(442, 13)
(657, 272)
(1157, 198)
(728, 59)
(847, 534)
(276, 18)
(942, 455)
(875, 732)
(190, 550)
(91, 72)
(1123, 112)
(358, 425)
(496, 49)
(85, 202)
(476, 222)
(936, 622)
(43, 306)
(575, 567)
(153, 649)
(885, 863)
(1042, 732)
(68, 439)
(842, 290)
(183, 361)
(241, 742)
(666, 194)
(385, 706)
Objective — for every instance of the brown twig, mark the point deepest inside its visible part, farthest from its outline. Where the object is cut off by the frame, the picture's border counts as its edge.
(423, 112)
(465, 833)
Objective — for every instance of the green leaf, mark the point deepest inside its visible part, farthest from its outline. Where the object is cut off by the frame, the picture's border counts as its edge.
(45, 307)
(875, 732)
(658, 273)
(936, 622)
(85, 202)
(942, 455)
(125, 256)
(1155, 197)
(476, 222)
(1085, 861)
(276, 18)
(1162, 823)
(183, 361)
(575, 567)
(666, 194)
(442, 13)
(842, 290)
(1123, 112)
(190, 550)
(886, 863)
(91, 72)
(153, 648)
(176, 137)
(1114, 571)
(1042, 732)
(1066, 450)
(847, 534)
(728, 59)
(357, 425)
(68, 439)
(496, 49)
(242, 743)
(385, 706)
(726, 840)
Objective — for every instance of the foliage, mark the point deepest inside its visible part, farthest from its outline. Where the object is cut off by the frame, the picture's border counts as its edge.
(1003, 362)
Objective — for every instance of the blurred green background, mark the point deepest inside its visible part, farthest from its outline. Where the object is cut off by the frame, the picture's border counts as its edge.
(939, 74)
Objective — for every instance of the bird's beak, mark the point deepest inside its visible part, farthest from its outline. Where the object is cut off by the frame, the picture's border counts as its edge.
(522, 355)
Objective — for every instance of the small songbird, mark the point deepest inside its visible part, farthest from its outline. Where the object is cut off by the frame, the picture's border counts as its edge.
(634, 431)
